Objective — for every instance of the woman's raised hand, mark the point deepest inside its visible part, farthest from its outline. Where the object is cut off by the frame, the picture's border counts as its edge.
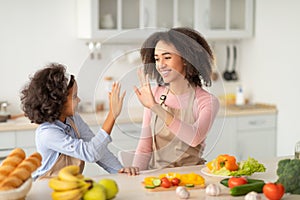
(144, 93)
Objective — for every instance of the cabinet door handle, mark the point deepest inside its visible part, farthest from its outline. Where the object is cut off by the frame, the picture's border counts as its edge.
(257, 122)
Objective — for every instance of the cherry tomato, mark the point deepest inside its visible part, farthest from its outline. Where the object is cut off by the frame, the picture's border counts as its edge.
(273, 191)
(165, 182)
(175, 181)
(236, 181)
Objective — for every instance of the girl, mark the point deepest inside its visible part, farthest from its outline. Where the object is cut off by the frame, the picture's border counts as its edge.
(63, 138)
(178, 111)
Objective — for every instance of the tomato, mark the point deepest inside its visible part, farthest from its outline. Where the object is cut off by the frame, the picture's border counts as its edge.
(273, 191)
(236, 181)
(165, 182)
(175, 181)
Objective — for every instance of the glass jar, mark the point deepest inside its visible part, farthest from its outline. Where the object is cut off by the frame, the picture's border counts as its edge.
(297, 150)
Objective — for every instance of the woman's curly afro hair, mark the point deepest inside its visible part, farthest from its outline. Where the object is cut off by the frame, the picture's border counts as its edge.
(45, 95)
(192, 47)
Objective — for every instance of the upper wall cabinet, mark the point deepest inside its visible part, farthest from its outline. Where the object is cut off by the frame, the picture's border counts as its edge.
(226, 19)
(134, 20)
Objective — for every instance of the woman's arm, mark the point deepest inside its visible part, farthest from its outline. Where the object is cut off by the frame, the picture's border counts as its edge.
(144, 149)
(205, 111)
(115, 107)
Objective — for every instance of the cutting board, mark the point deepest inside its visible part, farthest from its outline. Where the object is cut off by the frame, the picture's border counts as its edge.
(172, 188)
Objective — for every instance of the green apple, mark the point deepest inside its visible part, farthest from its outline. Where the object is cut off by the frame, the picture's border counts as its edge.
(97, 192)
(110, 186)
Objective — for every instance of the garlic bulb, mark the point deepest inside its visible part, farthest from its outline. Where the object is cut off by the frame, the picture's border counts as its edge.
(213, 190)
(252, 196)
(182, 192)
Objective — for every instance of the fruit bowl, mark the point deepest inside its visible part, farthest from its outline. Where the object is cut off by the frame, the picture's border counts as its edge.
(18, 193)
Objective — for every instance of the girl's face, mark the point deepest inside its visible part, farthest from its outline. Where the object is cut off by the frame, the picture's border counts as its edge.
(72, 102)
(168, 62)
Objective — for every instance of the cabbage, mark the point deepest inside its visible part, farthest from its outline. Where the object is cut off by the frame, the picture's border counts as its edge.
(248, 167)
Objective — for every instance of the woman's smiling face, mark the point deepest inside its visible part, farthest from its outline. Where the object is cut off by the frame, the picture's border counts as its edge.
(168, 62)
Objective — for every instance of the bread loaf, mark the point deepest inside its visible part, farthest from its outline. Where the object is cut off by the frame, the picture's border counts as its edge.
(22, 172)
(9, 164)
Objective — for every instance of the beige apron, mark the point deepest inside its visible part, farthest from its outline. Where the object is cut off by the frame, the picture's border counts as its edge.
(168, 150)
(64, 160)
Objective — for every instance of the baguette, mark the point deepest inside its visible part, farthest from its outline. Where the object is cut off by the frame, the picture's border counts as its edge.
(22, 172)
(11, 162)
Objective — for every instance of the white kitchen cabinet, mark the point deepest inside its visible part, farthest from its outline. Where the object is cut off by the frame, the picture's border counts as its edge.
(242, 136)
(12, 139)
(226, 19)
(256, 136)
(26, 141)
(118, 21)
(8, 139)
(220, 138)
(125, 136)
(7, 143)
(114, 21)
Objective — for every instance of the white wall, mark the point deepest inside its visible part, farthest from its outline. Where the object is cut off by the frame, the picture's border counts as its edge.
(271, 66)
(35, 32)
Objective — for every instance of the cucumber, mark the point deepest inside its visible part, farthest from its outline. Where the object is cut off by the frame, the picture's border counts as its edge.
(149, 186)
(225, 181)
(189, 185)
(156, 182)
(246, 188)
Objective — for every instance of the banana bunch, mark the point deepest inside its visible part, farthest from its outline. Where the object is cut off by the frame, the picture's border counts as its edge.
(69, 184)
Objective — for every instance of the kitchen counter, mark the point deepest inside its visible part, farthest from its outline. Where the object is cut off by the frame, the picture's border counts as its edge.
(129, 115)
(130, 187)
(248, 109)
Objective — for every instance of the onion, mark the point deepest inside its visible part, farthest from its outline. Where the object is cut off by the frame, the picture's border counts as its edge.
(182, 192)
(252, 196)
(213, 190)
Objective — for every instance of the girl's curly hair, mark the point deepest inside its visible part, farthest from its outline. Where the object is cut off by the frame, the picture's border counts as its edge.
(44, 96)
(193, 48)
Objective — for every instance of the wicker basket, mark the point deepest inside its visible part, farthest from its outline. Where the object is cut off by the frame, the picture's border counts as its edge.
(18, 193)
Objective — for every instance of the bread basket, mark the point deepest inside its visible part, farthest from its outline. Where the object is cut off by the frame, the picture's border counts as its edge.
(18, 193)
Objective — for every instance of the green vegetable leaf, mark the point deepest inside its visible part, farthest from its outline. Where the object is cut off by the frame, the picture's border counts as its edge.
(223, 172)
(248, 167)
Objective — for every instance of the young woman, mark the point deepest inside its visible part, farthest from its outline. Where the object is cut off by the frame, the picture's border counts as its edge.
(63, 138)
(178, 111)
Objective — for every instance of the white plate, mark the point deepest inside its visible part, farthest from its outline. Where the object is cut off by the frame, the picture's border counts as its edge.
(207, 172)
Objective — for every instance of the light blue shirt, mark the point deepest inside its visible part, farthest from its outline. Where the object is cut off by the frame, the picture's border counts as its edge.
(55, 138)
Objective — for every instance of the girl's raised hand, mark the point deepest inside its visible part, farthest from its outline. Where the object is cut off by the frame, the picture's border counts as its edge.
(115, 100)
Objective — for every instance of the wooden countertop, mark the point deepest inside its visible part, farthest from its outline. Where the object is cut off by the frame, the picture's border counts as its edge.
(249, 109)
(130, 187)
(129, 115)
